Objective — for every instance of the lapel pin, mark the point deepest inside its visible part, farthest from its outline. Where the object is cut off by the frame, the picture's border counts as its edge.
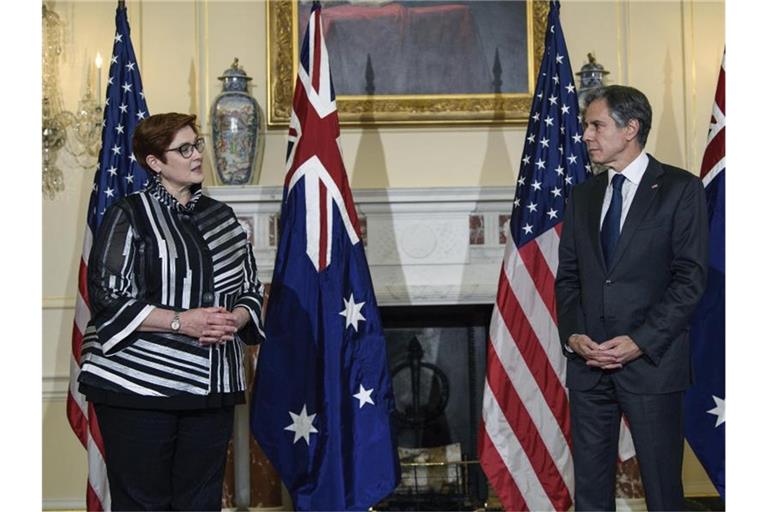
(655, 185)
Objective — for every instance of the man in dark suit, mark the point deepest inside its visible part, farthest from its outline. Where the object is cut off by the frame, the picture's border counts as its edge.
(633, 263)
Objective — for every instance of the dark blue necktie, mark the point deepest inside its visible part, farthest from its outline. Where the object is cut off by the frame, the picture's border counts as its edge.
(609, 236)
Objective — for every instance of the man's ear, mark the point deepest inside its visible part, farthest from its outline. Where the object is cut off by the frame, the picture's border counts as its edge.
(154, 163)
(632, 129)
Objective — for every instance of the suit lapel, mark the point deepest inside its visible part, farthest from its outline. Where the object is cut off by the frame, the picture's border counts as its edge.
(646, 193)
(596, 194)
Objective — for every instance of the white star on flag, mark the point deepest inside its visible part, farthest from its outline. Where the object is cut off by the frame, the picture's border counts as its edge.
(302, 425)
(718, 411)
(352, 311)
(364, 395)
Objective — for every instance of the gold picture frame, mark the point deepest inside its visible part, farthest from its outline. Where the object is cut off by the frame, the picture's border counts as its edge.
(377, 109)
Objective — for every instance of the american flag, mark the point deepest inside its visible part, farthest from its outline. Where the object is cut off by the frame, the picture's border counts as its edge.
(117, 174)
(705, 401)
(524, 437)
(322, 395)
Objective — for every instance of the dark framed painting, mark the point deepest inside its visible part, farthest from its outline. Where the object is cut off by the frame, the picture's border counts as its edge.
(413, 62)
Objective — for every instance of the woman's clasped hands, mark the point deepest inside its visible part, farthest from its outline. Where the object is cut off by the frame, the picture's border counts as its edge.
(212, 325)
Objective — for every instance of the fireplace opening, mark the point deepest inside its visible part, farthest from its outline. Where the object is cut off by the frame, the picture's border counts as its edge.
(436, 359)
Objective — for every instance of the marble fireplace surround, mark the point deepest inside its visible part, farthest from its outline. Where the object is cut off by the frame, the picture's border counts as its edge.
(425, 246)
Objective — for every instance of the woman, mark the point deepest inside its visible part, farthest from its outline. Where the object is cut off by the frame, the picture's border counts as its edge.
(173, 291)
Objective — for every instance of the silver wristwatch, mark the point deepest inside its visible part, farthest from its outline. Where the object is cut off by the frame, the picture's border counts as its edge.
(176, 322)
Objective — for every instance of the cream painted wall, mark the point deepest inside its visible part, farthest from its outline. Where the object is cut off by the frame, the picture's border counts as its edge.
(669, 49)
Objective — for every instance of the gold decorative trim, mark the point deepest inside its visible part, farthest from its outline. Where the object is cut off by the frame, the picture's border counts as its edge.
(282, 64)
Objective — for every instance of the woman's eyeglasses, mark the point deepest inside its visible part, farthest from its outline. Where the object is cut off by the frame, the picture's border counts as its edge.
(185, 150)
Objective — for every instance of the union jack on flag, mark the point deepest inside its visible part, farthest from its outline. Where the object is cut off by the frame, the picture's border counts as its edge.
(322, 395)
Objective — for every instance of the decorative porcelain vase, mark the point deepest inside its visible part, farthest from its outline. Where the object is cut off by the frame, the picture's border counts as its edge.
(238, 130)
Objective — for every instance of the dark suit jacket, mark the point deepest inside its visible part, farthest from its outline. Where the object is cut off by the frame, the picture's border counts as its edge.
(652, 287)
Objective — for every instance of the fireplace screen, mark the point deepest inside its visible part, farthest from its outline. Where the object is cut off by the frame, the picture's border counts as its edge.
(437, 362)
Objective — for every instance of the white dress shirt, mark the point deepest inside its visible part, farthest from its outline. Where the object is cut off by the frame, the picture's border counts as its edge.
(633, 174)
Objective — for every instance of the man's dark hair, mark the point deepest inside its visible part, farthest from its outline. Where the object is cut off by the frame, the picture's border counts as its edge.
(625, 103)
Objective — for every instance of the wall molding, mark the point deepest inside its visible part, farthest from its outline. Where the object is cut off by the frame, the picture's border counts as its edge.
(67, 302)
(55, 388)
(418, 239)
(63, 505)
(690, 133)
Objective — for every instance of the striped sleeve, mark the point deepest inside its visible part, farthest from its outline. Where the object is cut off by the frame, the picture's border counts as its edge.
(116, 311)
(251, 298)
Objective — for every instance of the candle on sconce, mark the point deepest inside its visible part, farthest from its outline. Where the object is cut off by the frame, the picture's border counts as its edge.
(98, 76)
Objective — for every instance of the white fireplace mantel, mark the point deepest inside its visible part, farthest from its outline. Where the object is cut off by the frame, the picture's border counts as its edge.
(425, 246)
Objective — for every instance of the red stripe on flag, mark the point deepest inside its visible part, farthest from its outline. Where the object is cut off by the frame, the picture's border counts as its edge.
(720, 91)
(82, 280)
(526, 432)
(77, 343)
(77, 420)
(541, 275)
(534, 355)
(323, 259)
(498, 474)
(714, 152)
(92, 500)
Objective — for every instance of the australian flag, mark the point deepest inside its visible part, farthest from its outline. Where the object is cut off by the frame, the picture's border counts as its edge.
(705, 400)
(322, 395)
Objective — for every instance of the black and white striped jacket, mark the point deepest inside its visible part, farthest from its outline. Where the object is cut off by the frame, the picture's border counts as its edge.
(152, 252)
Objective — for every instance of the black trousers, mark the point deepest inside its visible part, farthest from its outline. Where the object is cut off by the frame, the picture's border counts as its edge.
(165, 460)
(656, 424)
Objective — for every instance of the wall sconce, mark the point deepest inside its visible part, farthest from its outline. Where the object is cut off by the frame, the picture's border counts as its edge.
(79, 133)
